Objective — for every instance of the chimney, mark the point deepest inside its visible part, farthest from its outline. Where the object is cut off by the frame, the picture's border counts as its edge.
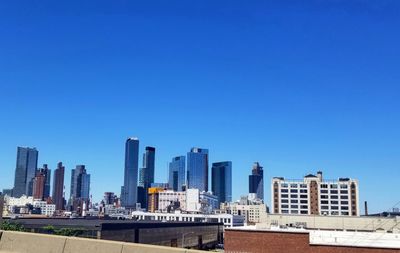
(366, 208)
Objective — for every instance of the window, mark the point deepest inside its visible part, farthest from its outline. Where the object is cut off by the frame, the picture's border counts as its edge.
(324, 191)
(334, 186)
(294, 201)
(304, 212)
(294, 211)
(303, 186)
(343, 186)
(345, 213)
(285, 190)
(293, 196)
(334, 202)
(324, 186)
(334, 213)
(285, 211)
(324, 202)
(284, 196)
(294, 206)
(294, 191)
(303, 191)
(285, 206)
(324, 196)
(344, 202)
(344, 192)
(293, 185)
(334, 197)
(285, 201)
(304, 207)
(334, 207)
(334, 191)
(344, 197)
(303, 196)
(284, 185)
(303, 201)
(345, 208)
(324, 207)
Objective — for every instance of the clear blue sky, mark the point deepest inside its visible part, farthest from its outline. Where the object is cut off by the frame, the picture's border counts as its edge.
(296, 85)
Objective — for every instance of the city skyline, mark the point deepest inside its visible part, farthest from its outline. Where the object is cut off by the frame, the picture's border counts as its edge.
(296, 86)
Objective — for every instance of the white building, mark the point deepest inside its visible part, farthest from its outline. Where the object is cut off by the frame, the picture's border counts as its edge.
(200, 202)
(45, 209)
(251, 210)
(315, 196)
(21, 201)
(169, 197)
(229, 220)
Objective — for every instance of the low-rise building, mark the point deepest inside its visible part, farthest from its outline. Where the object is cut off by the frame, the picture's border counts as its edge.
(45, 208)
(228, 220)
(251, 210)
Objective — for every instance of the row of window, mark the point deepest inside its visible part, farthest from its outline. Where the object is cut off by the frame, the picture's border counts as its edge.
(285, 211)
(295, 206)
(334, 202)
(294, 201)
(334, 208)
(285, 185)
(334, 197)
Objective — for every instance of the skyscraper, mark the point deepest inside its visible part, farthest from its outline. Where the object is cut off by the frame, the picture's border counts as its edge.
(41, 183)
(80, 187)
(176, 178)
(129, 190)
(256, 181)
(221, 181)
(197, 169)
(58, 187)
(146, 174)
(25, 170)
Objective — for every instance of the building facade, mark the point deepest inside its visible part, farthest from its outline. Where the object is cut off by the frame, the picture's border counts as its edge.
(146, 175)
(221, 181)
(27, 159)
(176, 175)
(129, 190)
(256, 181)
(197, 169)
(58, 187)
(314, 196)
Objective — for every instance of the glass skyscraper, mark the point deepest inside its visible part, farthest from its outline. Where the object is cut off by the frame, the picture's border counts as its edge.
(256, 181)
(146, 175)
(221, 181)
(176, 175)
(129, 189)
(197, 169)
(25, 171)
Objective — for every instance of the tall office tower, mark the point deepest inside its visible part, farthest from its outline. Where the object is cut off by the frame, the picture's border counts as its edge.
(147, 173)
(256, 181)
(197, 169)
(129, 190)
(176, 178)
(25, 170)
(58, 187)
(38, 186)
(314, 196)
(221, 181)
(46, 172)
(80, 187)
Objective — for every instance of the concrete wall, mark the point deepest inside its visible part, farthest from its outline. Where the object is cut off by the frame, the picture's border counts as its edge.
(38, 243)
(285, 242)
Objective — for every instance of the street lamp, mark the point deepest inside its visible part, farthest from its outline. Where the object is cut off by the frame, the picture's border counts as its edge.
(183, 238)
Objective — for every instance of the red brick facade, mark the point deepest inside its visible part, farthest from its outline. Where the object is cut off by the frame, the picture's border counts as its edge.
(237, 241)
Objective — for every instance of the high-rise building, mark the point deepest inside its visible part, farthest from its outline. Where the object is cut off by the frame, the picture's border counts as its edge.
(314, 196)
(129, 190)
(147, 172)
(109, 198)
(38, 186)
(58, 187)
(80, 187)
(25, 170)
(221, 181)
(197, 169)
(256, 181)
(41, 183)
(176, 178)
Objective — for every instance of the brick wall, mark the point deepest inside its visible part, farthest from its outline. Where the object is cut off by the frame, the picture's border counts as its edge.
(284, 242)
